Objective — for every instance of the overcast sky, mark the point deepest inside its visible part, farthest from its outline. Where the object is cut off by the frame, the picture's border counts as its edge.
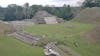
(4, 3)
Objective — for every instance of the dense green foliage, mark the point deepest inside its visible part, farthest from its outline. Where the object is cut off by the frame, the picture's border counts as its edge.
(16, 12)
(2, 11)
(91, 3)
(67, 36)
(62, 12)
(13, 47)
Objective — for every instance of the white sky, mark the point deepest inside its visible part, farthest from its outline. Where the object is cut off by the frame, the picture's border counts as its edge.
(4, 3)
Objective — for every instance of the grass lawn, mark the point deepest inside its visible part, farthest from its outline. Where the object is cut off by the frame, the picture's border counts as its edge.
(67, 36)
(10, 46)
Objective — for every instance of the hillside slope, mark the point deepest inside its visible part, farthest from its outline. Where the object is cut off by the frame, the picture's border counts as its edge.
(91, 15)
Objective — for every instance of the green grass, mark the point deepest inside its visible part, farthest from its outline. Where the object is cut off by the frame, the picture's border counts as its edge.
(59, 31)
(67, 36)
(10, 46)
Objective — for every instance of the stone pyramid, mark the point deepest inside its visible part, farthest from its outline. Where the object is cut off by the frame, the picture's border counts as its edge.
(42, 14)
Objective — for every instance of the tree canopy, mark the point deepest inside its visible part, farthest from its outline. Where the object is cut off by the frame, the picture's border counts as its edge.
(16, 12)
(91, 3)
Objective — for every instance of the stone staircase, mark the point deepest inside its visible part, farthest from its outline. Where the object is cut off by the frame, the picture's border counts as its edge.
(26, 37)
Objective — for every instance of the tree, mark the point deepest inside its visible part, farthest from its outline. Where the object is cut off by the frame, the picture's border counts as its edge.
(19, 13)
(35, 8)
(27, 11)
(1, 13)
(10, 12)
(91, 3)
(62, 12)
(16, 12)
(66, 12)
(13, 12)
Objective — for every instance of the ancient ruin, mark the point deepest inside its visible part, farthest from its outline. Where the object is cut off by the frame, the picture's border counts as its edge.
(26, 37)
(43, 17)
(49, 51)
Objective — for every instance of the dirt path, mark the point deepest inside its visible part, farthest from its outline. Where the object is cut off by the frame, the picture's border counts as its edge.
(61, 50)
(68, 51)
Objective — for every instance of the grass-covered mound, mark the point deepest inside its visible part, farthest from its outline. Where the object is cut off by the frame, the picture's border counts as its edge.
(89, 15)
(68, 33)
(13, 47)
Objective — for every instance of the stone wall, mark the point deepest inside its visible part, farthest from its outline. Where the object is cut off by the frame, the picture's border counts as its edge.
(50, 20)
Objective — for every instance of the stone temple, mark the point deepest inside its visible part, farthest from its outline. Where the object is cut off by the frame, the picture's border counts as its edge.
(43, 17)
